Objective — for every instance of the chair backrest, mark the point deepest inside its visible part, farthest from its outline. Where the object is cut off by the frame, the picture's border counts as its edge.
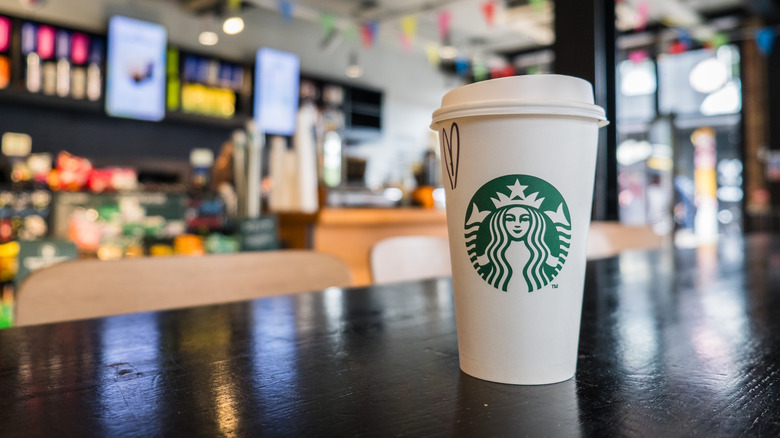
(607, 238)
(410, 258)
(80, 289)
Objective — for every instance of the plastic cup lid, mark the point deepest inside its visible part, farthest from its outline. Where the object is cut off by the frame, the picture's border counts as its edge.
(530, 94)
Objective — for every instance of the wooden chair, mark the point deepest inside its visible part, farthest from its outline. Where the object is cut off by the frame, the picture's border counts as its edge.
(606, 238)
(81, 289)
(410, 258)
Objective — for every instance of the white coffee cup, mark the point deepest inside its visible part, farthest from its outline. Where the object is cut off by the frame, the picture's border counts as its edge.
(518, 164)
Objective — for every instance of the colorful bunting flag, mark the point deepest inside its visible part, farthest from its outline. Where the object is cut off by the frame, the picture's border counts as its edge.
(286, 9)
(765, 38)
(408, 31)
(685, 37)
(432, 51)
(489, 11)
(677, 47)
(642, 16)
(720, 39)
(502, 72)
(328, 23)
(444, 19)
(480, 72)
(461, 66)
(368, 31)
(538, 5)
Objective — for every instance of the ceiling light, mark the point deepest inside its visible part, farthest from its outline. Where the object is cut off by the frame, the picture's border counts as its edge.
(233, 25)
(208, 38)
(354, 70)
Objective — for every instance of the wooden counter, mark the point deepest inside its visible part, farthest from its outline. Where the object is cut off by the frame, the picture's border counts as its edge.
(349, 233)
(673, 343)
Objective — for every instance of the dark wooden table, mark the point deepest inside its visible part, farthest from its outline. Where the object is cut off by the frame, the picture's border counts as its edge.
(674, 343)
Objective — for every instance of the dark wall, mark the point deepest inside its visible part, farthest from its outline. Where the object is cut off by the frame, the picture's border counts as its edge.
(92, 134)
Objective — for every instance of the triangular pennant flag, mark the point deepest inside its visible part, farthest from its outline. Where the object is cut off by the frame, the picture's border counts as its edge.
(406, 43)
(374, 26)
(286, 10)
(538, 5)
(642, 16)
(677, 47)
(461, 66)
(432, 51)
(489, 11)
(366, 37)
(480, 72)
(765, 38)
(685, 37)
(328, 23)
(444, 19)
(409, 31)
(369, 31)
(409, 26)
(720, 39)
(502, 72)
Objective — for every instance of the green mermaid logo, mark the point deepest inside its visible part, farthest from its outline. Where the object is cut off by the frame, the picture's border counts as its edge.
(518, 223)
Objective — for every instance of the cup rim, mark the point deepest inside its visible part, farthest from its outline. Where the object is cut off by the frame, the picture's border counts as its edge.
(520, 107)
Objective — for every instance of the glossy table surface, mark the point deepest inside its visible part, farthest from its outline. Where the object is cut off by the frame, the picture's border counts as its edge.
(673, 343)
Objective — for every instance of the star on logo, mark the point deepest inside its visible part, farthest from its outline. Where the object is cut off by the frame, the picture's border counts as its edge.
(517, 197)
(518, 190)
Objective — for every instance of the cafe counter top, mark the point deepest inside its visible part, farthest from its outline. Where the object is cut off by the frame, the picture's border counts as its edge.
(350, 233)
(674, 343)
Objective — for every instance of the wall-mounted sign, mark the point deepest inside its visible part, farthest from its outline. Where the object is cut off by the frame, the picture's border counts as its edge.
(277, 77)
(135, 81)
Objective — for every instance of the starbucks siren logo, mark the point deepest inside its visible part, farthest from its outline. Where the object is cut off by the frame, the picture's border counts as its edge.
(518, 232)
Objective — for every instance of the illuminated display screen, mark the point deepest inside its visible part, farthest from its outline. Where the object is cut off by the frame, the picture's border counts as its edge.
(276, 91)
(135, 81)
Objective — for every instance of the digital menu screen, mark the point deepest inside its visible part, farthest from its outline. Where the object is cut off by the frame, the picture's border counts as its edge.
(277, 77)
(135, 79)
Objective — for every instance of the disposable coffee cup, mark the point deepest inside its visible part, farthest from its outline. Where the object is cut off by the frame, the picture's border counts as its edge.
(518, 162)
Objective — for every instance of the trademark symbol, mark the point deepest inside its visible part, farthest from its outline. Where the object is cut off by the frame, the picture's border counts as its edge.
(554, 286)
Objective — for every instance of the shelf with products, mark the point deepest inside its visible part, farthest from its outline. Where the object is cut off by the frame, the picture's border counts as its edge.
(5, 49)
(49, 66)
(201, 87)
(54, 64)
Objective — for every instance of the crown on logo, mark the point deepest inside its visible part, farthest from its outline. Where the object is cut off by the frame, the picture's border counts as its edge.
(517, 197)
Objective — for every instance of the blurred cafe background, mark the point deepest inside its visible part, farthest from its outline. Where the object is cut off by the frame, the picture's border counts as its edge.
(144, 128)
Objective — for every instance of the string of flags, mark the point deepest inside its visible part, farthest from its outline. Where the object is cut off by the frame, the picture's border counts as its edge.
(366, 32)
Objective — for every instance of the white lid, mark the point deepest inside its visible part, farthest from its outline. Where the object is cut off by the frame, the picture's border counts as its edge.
(529, 94)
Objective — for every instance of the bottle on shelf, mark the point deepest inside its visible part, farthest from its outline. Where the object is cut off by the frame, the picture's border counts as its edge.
(32, 60)
(94, 71)
(5, 61)
(62, 51)
(79, 55)
(46, 51)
